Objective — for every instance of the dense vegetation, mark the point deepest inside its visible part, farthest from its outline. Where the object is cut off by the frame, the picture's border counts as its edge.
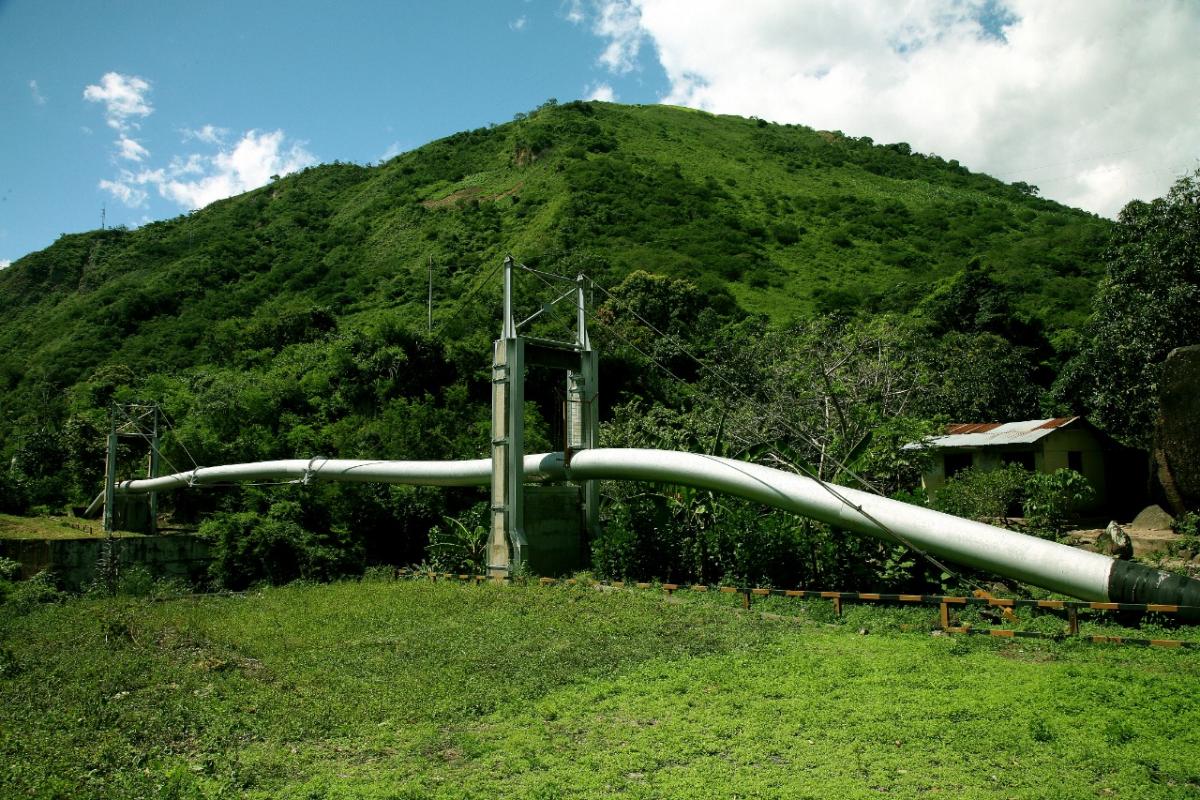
(827, 273)
(415, 690)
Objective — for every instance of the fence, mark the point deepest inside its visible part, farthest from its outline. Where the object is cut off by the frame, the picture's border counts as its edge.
(946, 604)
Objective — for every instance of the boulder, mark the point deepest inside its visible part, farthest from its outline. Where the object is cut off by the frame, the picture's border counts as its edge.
(1152, 518)
(1177, 433)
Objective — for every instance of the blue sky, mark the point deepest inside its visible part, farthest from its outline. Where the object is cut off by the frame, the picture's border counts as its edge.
(341, 81)
(150, 109)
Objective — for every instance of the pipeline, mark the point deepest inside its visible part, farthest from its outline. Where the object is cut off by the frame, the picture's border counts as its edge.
(1053, 566)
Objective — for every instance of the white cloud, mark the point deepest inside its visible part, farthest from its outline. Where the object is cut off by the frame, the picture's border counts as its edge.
(394, 149)
(124, 98)
(195, 181)
(193, 164)
(209, 134)
(1023, 89)
(518, 24)
(131, 149)
(38, 98)
(620, 23)
(124, 190)
(600, 91)
(5, 263)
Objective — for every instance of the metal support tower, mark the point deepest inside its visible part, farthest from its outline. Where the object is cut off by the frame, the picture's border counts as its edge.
(152, 470)
(583, 411)
(507, 541)
(137, 421)
(508, 545)
(110, 474)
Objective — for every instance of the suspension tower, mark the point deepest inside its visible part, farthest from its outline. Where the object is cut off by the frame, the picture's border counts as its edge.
(136, 421)
(552, 539)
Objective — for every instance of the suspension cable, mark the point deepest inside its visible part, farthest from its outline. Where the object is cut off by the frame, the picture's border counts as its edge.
(800, 467)
(737, 390)
(463, 303)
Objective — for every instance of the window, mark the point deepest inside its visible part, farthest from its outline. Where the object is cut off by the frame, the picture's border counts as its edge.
(955, 463)
(1075, 460)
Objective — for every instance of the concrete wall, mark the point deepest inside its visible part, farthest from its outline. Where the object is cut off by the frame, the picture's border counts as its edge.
(554, 528)
(74, 560)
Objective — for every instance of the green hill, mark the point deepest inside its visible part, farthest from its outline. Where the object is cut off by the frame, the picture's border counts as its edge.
(789, 219)
(290, 320)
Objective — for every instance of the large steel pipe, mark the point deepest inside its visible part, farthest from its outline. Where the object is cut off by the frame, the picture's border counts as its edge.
(1089, 576)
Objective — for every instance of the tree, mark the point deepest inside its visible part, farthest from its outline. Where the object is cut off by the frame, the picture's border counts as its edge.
(1147, 305)
(979, 377)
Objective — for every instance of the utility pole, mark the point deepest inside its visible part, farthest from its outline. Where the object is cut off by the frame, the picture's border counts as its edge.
(103, 215)
(431, 293)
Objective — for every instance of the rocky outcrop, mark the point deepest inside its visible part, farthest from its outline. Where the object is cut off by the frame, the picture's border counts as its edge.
(1177, 434)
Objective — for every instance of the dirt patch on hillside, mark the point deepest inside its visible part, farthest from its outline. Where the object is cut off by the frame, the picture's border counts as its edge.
(469, 193)
(454, 198)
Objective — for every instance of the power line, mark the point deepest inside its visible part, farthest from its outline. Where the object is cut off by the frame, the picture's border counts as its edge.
(179, 439)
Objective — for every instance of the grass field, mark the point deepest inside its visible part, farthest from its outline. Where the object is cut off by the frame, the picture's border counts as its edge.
(13, 527)
(407, 690)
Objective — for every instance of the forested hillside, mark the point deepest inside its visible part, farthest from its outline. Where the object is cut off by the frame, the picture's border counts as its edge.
(291, 321)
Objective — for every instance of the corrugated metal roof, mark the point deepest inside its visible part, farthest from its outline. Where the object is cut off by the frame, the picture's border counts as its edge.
(993, 434)
(971, 427)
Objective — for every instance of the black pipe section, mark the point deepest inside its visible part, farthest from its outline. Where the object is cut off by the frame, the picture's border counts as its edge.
(1136, 583)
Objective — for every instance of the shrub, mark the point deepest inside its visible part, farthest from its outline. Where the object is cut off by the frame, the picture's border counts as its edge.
(136, 582)
(460, 544)
(983, 495)
(14, 497)
(249, 547)
(41, 589)
(1051, 501)
(1187, 524)
(8, 568)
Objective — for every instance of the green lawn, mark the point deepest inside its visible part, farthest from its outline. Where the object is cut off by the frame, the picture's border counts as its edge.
(409, 689)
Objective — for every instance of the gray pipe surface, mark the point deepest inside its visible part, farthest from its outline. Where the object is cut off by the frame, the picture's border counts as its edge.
(1053, 566)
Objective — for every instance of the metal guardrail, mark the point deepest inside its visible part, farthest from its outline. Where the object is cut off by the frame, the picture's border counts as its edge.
(945, 603)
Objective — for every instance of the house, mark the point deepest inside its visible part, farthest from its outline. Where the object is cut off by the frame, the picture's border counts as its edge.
(1041, 445)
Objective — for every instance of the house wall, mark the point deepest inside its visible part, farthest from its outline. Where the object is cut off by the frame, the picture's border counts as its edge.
(1049, 454)
(1056, 446)
(934, 477)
